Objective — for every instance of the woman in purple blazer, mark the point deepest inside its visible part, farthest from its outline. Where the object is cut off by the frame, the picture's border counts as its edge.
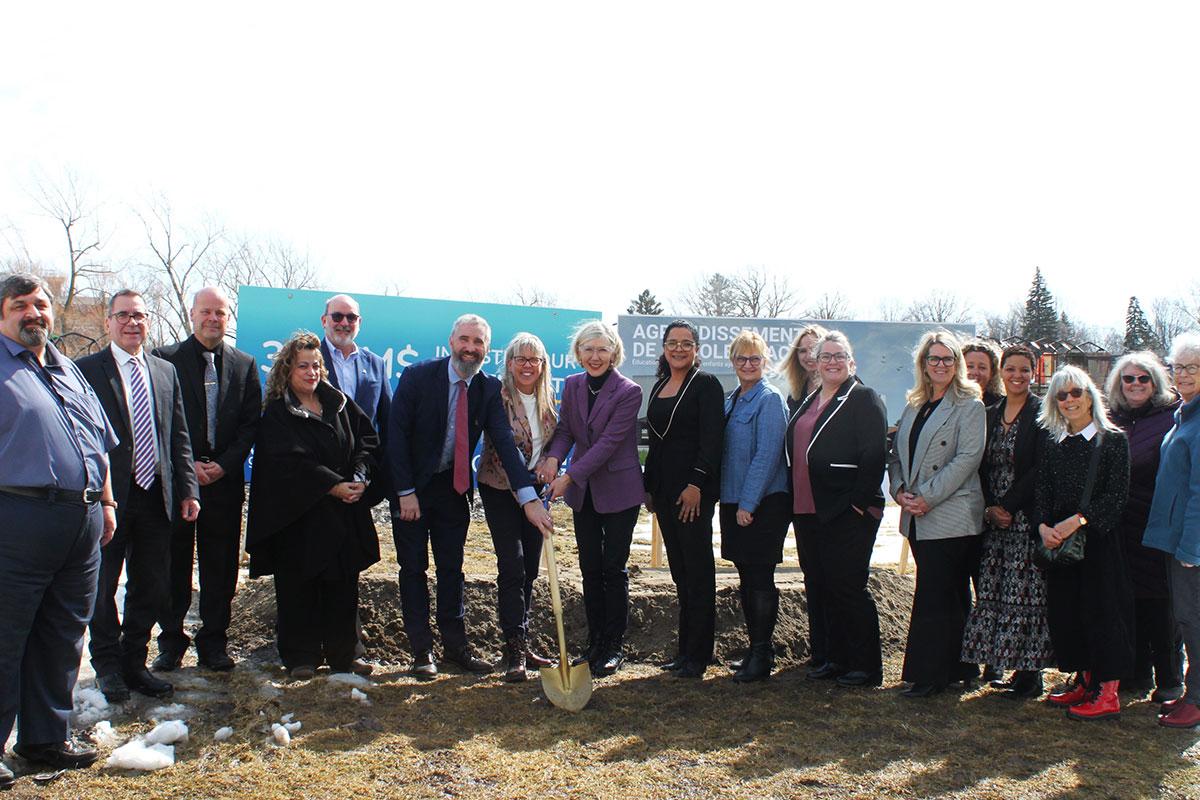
(602, 485)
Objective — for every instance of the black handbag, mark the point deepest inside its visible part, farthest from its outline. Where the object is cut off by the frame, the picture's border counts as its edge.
(1070, 551)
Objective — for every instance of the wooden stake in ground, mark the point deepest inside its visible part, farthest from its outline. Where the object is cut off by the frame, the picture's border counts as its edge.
(568, 687)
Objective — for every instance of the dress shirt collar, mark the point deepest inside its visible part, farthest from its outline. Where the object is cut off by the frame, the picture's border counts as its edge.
(335, 352)
(1087, 433)
(122, 357)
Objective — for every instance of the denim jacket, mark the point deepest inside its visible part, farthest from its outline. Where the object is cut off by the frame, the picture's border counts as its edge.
(752, 464)
(1174, 523)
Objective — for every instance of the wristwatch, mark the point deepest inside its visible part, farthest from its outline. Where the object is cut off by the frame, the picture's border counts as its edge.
(1082, 520)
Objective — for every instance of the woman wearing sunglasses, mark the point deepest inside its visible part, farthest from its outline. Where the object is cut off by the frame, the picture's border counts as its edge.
(933, 469)
(1088, 603)
(1143, 405)
(1174, 523)
(755, 505)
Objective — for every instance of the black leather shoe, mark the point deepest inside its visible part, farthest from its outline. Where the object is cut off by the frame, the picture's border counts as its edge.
(610, 662)
(858, 677)
(302, 672)
(218, 661)
(141, 681)
(423, 668)
(1166, 694)
(591, 655)
(826, 672)
(7, 779)
(990, 674)
(464, 658)
(689, 669)
(113, 686)
(918, 690)
(674, 664)
(58, 755)
(167, 661)
(1026, 685)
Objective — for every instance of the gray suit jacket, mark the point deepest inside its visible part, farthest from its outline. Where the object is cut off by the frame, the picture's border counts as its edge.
(945, 467)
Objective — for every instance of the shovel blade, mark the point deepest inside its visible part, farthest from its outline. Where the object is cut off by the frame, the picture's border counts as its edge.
(570, 693)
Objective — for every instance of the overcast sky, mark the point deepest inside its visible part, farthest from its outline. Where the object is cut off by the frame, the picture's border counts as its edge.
(594, 150)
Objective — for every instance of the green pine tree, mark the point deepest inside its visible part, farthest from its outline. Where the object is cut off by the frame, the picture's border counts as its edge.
(1138, 333)
(1041, 321)
(645, 303)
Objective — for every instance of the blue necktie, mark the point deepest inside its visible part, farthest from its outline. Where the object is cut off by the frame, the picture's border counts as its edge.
(210, 397)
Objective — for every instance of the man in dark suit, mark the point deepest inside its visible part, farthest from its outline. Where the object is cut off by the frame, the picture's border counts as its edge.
(432, 435)
(222, 399)
(153, 480)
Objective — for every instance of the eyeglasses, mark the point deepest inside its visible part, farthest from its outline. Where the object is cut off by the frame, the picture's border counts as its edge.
(125, 317)
(523, 361)
(753, 361)
(1130, 379)
(595, 351)
(1075, 392)
(338, 316)
(826, 358)
(1190, 369)
(943, 361)
(679, 344)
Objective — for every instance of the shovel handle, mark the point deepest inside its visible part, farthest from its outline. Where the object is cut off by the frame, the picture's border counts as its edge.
(556, 604)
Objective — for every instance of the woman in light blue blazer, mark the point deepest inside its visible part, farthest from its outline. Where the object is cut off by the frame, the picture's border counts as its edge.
(933, 469)
(755, 504)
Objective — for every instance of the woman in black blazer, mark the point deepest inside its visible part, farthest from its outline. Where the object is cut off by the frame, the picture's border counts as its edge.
(836, 448)
(1007, 628)
(685, 417)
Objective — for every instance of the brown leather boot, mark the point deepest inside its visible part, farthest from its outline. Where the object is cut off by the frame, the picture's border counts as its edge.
(514, 660)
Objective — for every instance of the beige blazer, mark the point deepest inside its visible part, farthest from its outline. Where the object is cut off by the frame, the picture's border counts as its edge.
(945, 467)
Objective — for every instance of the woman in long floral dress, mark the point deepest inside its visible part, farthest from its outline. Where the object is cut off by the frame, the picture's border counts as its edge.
(1008, 627)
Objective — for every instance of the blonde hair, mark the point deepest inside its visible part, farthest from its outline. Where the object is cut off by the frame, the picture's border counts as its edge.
(542, 391)
(995, 384)
(1069, 375)
(922, 390)
(278, 379)
(598, 329)
(750, 340)
(1148, 363)
(797, 376)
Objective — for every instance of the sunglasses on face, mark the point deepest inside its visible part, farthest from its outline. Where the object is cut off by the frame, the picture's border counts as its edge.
(338, 316)
(1076, 393)
(1129, 379)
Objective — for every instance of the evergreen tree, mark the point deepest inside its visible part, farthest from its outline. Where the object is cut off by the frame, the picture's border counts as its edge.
(1138, 333)
(1041, 322)
(645, 303)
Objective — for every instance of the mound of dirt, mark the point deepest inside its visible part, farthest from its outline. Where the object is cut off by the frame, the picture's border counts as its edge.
(652, 615)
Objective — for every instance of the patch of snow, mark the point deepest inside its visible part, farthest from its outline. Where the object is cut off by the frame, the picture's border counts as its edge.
(360, 697)
(350, 679)
(168, 732)
(104, 735)
(138, 755)
(91, 706)
(222, 734)
(281, 735)
(293, 727)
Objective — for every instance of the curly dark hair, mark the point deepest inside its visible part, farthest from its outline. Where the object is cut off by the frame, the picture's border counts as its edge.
(281, 367)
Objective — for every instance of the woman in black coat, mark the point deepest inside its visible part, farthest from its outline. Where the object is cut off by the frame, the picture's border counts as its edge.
(310, 521)
(836, 448)
(685, 417)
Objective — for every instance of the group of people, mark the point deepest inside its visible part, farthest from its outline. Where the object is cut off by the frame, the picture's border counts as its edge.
(1075, 517)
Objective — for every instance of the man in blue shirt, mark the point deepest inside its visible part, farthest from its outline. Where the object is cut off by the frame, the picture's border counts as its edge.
(57, 508)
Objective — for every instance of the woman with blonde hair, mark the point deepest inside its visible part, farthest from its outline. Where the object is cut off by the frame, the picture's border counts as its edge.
(755, 509)
(983, 367)
(1142, 403)
(1082, 486)
(603, 484)
(528, 399)
(933, 469)
(800, 365)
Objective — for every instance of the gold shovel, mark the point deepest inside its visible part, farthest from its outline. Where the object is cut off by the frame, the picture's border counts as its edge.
(568, 687)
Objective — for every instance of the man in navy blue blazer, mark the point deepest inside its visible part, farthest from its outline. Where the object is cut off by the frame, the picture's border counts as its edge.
(432, 435)
(356, 371)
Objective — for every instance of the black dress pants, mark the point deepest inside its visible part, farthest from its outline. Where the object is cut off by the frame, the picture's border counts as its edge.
(214, 540)
(315, 620)
(690, 557)
(838, 553)
(603, 542)
(935, 629)
(818, 622)
(1158, 647)
(518, 546)
(142, 545)
(441, 527)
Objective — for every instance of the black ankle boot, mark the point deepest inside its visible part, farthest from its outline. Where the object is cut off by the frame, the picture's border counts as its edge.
(514, 659)
(592, 654)
(762, 612)
(1026, 685)
(611, 659)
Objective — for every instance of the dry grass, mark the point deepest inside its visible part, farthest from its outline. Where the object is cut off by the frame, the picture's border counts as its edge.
(644, 735)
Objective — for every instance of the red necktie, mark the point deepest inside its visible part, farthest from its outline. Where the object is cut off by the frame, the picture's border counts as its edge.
(462, 462)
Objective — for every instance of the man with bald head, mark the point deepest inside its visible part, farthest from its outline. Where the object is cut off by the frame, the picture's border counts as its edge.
(222, 400)
(355, 371)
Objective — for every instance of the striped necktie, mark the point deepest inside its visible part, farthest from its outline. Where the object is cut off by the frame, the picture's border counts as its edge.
(145, 456)
(211, 389)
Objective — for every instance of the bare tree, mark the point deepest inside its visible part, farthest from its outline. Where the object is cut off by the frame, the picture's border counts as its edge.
(890, 309)
(1168, 319)
(760, 293)
(1007, 325)
(712, 296)
(830, 305)
(939, 306)
(252, 262)
(67, 202)
(177, 264)
(523, 295)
